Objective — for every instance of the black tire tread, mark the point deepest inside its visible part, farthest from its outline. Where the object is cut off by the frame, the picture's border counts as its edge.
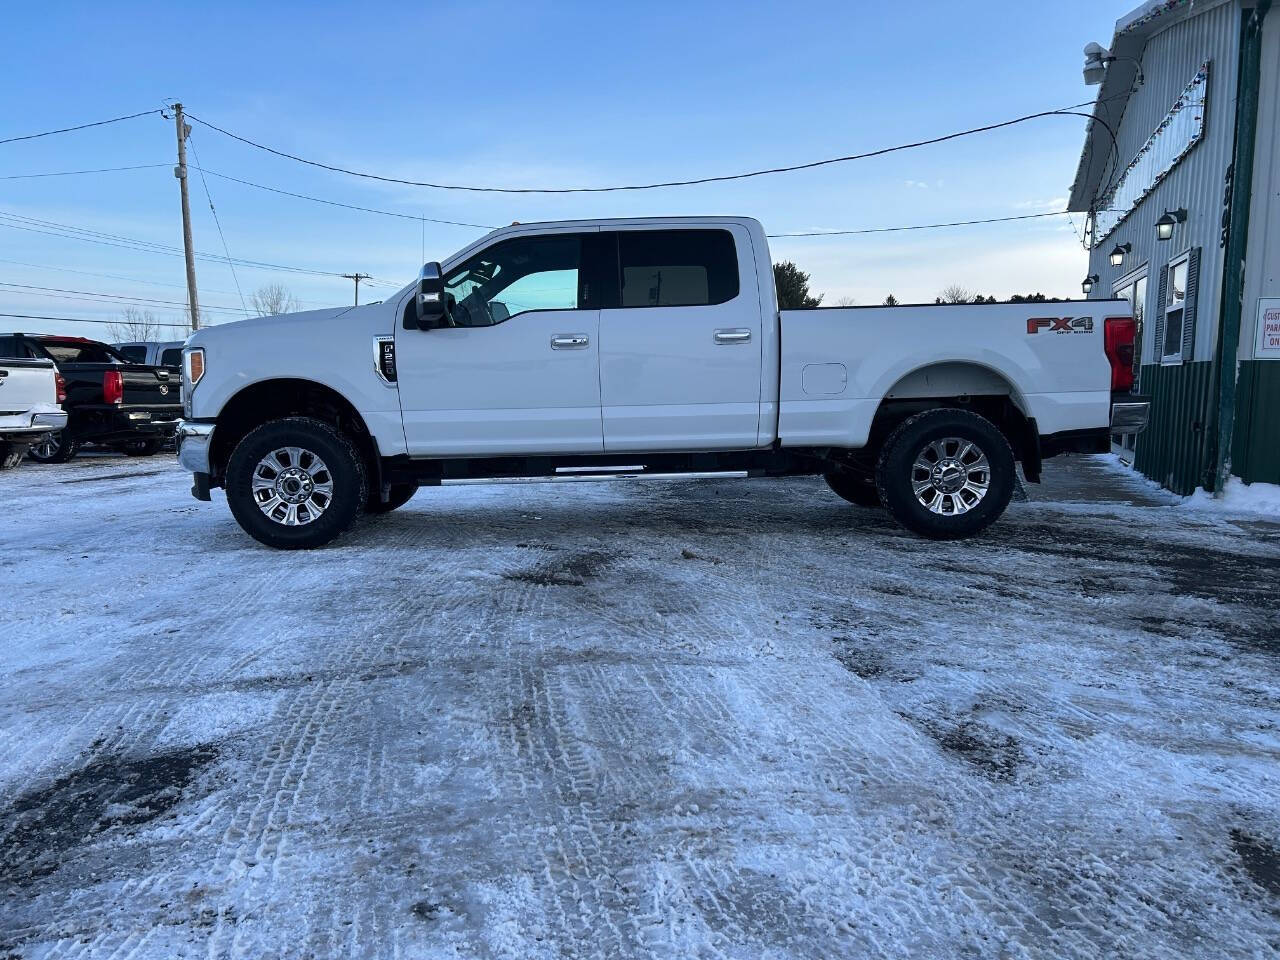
(901, 502)
(334, 522)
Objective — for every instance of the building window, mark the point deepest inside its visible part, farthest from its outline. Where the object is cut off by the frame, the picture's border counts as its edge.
(1134, 289)
(1175, 309)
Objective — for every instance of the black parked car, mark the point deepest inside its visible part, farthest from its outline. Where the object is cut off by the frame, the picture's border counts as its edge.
(130, 407)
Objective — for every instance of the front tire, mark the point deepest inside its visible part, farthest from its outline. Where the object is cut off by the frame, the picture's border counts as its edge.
(946, 474)
(54, 447)
(401, 493)
(295, 483)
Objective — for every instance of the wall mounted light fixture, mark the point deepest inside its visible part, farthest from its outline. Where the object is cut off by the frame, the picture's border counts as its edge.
(1171, 218)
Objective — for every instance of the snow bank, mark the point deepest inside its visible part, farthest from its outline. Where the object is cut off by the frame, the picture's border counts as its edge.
(1240, 497)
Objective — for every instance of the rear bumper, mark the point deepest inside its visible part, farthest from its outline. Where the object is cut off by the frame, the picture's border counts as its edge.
(1130, 414)
(103, 423)
(32, 424)
(195, 439)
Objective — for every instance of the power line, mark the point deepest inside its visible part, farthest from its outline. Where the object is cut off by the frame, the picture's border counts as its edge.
(68, 231)
(120, 302)
(221, 235)
(100, 295)
(116, 276)
(1065, 111)
(348, 206)
(918, 226)
(33, 316)
(76, 173)
(82, 126)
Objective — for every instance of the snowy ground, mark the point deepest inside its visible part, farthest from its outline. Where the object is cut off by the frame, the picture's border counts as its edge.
(734, 719)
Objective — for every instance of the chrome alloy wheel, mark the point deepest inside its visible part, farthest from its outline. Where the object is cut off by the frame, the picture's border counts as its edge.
(292, 486)
(950, 476)
(48, 445)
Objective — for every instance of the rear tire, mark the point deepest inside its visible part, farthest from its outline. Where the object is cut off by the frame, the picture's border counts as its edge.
(11, 454)
(54, 448)
(295, 483)
(857, 489)
(142, 448)
(401, 493)
(946, 474)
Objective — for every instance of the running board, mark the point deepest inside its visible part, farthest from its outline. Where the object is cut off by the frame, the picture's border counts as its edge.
(592, 477)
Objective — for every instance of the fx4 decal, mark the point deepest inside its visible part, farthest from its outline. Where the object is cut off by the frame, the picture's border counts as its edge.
(1060, 324)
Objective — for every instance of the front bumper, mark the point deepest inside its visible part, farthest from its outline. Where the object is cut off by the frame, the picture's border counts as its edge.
(1130, 415)
(195, 440)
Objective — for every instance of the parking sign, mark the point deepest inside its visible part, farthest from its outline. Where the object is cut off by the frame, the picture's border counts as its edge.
(1267, 344)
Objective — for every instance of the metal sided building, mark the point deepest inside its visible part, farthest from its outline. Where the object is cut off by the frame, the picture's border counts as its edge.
(1180, 182)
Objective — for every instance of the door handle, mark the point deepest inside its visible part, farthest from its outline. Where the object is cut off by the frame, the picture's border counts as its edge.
(569, 341)
(733, 335)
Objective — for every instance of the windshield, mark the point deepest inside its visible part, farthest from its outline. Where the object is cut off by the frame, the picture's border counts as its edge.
(77, 351)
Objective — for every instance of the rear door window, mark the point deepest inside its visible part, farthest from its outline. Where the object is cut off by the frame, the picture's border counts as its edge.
(134, 354)
(677, 268)
(171, 357)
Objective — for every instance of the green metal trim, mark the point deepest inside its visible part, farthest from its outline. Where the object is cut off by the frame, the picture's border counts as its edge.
(1256, 454)
(1172, 450)
(1226, 367)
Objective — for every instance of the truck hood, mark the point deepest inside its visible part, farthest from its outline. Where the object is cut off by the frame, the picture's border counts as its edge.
(243, 329)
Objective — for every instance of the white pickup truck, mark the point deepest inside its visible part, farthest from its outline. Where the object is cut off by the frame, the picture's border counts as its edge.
(30, 394)
(603, 349)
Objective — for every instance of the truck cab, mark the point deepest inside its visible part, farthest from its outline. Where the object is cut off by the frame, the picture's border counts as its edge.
(644, 347)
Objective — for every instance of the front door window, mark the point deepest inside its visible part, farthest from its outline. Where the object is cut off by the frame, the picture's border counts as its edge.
(515, 277)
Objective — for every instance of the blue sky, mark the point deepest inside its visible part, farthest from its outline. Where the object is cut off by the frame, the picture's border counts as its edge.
(539, 95)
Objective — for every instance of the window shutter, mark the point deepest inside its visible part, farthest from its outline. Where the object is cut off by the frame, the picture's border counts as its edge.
(1158, 339)
(1189, 311)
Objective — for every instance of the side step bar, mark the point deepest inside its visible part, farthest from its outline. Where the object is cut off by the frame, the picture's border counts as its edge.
(577, 477)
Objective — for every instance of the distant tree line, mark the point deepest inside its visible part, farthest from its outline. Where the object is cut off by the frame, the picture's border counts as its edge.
(792, 285)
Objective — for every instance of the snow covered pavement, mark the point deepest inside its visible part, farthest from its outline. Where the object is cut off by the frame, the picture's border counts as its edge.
(733, 719)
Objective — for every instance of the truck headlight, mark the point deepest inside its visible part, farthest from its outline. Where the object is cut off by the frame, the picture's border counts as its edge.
(192, 371)
(193, 365)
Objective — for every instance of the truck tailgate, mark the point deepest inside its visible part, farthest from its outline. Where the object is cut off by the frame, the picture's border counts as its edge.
(150, 386)
(25, 384)
(144, 386)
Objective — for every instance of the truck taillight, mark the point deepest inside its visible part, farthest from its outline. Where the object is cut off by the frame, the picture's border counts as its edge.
(1117, 338)
(59, 387)
(113, 386)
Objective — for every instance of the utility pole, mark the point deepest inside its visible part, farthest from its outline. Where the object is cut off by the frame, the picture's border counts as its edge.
(180, 171)
(357, 277)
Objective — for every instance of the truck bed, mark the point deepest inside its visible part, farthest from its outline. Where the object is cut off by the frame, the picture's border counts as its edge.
(838, 363)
